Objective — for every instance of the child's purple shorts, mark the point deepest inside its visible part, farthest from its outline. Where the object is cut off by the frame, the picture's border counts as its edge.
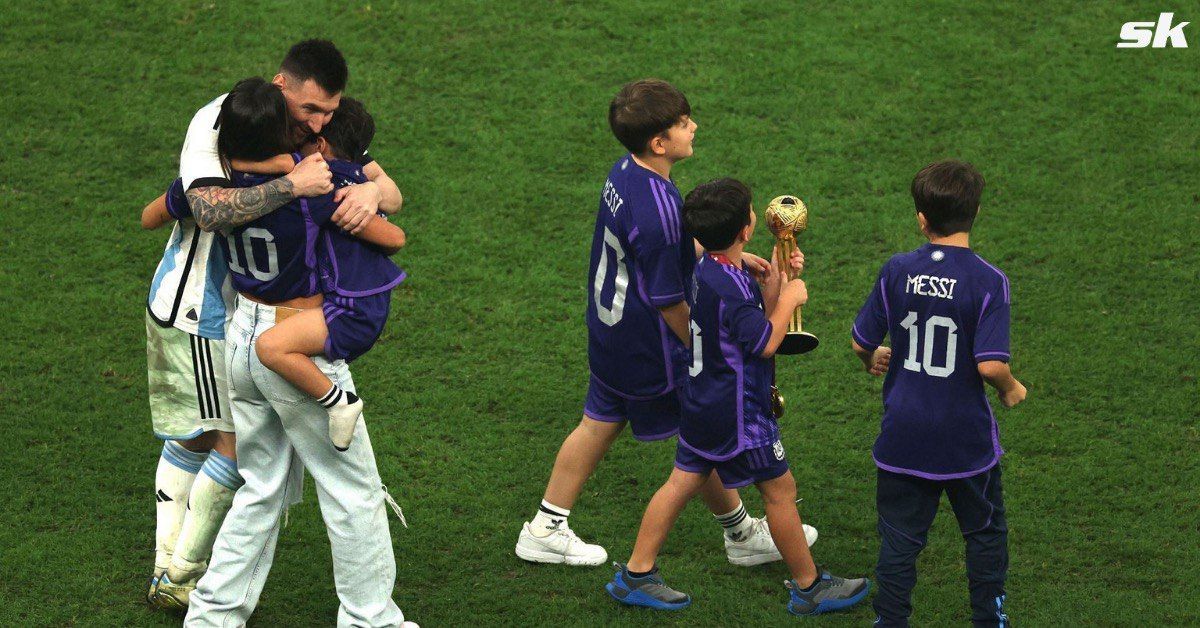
(354, 323)
(749, 467)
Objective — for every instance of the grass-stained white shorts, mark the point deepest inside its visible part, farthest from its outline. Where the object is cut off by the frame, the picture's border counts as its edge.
(189, 392)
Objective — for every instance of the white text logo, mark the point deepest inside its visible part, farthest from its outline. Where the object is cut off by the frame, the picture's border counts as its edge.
(1142, 34)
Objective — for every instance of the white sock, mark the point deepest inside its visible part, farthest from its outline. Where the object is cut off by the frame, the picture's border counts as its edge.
(177, 469)
(548, 519)
(210, 499)
(337, 396)
(736, 522)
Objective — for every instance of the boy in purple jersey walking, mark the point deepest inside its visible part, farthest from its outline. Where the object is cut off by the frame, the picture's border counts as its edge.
(637, 320)
(946, 310)
(728, 424)
(356, 276)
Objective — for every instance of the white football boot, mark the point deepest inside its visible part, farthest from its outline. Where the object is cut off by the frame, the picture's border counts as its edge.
(171, 596)
(562, 546)
(758, 547)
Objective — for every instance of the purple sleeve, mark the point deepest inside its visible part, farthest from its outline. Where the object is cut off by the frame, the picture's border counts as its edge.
(655, 237)
(871, 325)
(319, 208)
(749, 326)
(660, 268)
(177, 203)
(991, 334)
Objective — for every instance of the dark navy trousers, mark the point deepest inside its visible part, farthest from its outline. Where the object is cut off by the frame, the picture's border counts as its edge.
(906, 506)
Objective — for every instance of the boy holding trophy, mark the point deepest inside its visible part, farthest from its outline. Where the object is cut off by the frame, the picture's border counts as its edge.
(728, 423)
(637, 319)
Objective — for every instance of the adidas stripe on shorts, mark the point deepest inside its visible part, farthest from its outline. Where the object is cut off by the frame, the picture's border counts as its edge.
(187, 384)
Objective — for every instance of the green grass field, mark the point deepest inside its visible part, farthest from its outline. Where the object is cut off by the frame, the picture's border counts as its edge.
(492, 120)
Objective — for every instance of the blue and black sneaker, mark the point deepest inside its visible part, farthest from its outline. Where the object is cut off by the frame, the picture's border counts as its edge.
(648, 591)
(829, 593)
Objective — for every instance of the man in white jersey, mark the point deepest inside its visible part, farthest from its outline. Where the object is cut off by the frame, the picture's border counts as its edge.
(276, 424)
(188, 308)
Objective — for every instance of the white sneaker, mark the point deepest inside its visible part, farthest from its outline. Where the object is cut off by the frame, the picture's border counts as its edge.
(758, 547)
(343, 418)
(561, 546)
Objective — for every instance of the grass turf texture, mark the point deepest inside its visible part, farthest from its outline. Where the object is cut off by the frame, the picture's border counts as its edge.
(491, 119)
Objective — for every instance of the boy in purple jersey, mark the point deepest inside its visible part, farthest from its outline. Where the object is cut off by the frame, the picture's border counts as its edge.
(356, 276)
(728, 425)
(637, 318)
(946, 310)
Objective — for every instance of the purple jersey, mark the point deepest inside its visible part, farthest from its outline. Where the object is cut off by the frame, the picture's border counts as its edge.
(350, 267)
(946, 310)
(641, 257)
(727, 397)
(274, 257)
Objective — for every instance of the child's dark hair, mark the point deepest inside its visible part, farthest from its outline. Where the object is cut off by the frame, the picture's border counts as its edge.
(320, 60)
(350, 130)
(947, 193)
(644, 109)
(253, 123)
(715, 212)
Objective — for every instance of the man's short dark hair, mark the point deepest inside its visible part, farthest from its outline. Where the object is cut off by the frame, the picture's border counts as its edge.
(320, 60)
(350, 130)
(644, 109)
(253, 122)
(947, 193)
(715, 212)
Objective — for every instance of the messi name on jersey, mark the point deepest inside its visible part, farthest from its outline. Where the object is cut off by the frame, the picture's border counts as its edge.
(930, 286)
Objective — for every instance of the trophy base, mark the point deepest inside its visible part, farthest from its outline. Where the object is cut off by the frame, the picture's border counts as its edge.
(795, 342)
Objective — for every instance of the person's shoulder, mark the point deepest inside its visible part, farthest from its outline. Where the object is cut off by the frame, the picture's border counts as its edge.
(728, 282)
(346, 172)
(899, 261)
(206, 116)
(990, 274)
(636, 180)
(249, 179)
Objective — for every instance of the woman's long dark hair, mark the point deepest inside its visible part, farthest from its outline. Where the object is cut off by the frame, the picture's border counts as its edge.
(253, 124)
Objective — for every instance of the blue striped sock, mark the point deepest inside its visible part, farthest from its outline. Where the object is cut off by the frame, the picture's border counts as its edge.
(181, 457)
(223, 471)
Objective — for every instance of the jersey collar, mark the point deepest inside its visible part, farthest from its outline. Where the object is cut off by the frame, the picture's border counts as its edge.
(720, 258)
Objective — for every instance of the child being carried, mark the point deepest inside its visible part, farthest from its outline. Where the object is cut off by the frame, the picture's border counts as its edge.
(356, 277)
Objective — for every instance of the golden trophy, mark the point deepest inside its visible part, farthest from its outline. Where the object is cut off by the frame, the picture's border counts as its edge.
(787, 217)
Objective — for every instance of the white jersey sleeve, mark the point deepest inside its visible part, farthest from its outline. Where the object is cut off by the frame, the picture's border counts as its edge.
(199, 163)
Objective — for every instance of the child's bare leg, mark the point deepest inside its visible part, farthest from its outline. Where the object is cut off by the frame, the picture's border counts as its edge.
(779, 500)
(286, 349)
(661, 514)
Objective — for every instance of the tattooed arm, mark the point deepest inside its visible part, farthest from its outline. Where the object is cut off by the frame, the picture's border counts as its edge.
(217, 208)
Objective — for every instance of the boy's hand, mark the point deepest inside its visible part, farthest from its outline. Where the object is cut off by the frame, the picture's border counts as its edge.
(771, 280)
(879, 361)
(797, 262)
(1014, 395)
(311, 177)
(794, 292)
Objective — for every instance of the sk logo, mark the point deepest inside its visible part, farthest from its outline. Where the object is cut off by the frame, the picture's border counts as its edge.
(1143, 34)
(778, 450)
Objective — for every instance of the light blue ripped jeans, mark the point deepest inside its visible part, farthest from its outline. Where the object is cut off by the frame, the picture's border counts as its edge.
(281, 432)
